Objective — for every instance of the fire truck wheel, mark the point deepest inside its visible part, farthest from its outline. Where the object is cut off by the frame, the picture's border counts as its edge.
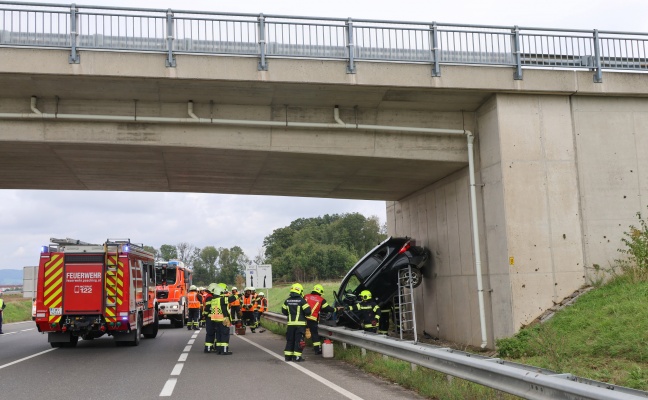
(72, 343)
(138, 332)
(180, 322)
(151, 331)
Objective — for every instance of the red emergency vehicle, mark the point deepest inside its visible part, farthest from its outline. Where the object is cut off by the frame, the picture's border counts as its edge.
(89, 290)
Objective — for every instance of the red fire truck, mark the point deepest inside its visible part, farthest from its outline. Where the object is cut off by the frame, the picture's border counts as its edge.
(89, 290)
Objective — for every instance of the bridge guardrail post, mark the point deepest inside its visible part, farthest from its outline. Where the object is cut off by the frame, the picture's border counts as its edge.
(517, 75)
(598, 74)
(263, 64)
(434, 41)
(170, 61)
(351, 66)
(74, 35)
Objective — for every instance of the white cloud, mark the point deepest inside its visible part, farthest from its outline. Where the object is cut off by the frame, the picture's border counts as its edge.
(28, 218)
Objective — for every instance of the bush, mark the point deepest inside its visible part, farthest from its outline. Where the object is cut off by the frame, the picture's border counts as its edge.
(635, 266)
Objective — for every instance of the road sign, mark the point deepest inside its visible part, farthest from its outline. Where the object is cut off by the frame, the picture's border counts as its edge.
(264, 274)
(251, 276)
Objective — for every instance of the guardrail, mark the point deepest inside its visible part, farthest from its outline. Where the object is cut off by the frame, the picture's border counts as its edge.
(266, 36)
(517, 379)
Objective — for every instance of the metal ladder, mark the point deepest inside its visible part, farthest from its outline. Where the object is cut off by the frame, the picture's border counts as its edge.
(404, 303)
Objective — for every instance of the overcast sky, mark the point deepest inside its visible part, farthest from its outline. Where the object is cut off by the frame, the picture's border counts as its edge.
(29, 218)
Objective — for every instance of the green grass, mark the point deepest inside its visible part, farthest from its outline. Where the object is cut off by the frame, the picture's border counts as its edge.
(18, 309)
(426, 382)
(278, 294)
(603, 336)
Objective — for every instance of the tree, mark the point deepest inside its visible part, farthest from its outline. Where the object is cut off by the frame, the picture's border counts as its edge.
(186, 253)
(208, 261)
(168, 252)
(151, 249)
(232, 264)
(323, 247)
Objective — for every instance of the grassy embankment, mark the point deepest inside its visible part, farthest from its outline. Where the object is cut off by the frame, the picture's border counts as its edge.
(18, 308)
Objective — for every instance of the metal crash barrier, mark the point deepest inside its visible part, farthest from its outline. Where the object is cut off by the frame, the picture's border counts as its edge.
(521, 380)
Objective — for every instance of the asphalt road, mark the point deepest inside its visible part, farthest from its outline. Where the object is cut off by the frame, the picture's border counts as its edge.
(173, 365)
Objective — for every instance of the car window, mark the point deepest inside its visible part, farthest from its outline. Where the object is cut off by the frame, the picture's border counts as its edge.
(371, 263)
(351, 285)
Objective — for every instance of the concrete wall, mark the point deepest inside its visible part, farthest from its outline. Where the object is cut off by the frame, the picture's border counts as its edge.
(611, 135)
(562, 178)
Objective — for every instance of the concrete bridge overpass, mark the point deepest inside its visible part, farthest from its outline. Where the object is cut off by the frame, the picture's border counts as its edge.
(559, 164)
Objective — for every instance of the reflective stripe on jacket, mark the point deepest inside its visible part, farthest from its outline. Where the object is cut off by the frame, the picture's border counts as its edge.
(296, 309)
(192, 298)
(317, 304)
(262, 304)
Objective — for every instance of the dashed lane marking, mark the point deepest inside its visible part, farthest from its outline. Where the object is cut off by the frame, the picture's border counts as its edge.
(167, 390)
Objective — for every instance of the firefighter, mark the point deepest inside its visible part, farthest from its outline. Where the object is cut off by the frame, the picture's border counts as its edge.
(195, 301)
(248, 308)
(296, 308)
(367, 311)
(317, 304)
(210, 325)
(2, 307)
(220, 317)
(262, 305)
(203, 293)
(235, 306)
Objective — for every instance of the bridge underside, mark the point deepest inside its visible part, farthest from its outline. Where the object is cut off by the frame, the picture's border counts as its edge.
(66, 166)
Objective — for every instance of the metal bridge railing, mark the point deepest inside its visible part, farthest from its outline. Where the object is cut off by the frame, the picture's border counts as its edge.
(518, 379)
(277, 36)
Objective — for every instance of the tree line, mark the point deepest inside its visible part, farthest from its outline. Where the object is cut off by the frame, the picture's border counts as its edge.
(308, 249)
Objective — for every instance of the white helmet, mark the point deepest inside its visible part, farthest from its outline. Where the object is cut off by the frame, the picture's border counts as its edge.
(252, 289)
(261, 294)
(234, 288)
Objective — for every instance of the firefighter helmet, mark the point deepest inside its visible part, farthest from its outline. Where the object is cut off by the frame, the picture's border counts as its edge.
(214, 289)
(365, 295)
(193, 287)
(297, 288)
(261, 294)
(319, 289)
(234, 289)
(252, 289)
(223, 286)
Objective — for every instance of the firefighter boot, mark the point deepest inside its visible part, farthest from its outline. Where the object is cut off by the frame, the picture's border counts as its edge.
(318, 349)
(207, 349)
(299, 359)
(226, 351)
(218, 349)
(288, 358)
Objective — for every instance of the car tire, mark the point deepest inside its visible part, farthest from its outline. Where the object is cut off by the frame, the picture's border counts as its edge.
(416, 277)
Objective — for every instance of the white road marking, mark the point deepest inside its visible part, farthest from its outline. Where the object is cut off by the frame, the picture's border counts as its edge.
(177, 369)
(26, 358)
(167, 390)
(313, 375)
(22, 330)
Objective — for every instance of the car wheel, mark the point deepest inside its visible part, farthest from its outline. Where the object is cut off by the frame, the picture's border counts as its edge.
(415, 277)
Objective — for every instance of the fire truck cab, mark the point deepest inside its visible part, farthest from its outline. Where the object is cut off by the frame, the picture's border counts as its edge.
(173, 279)
(89, 290)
